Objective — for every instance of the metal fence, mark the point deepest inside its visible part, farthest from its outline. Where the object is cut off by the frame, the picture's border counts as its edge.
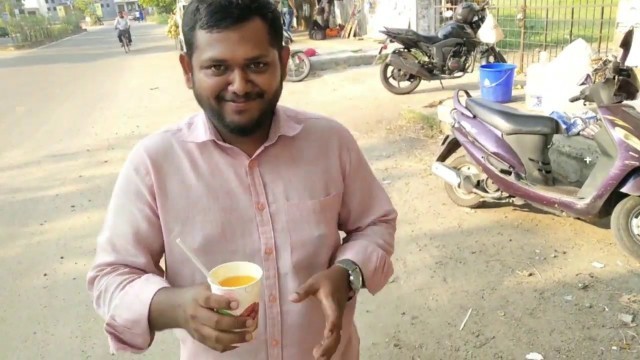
(531, 26)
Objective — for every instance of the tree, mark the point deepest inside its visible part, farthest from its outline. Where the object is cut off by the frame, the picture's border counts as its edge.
(162, 6)
(9, 6)
(84, 6)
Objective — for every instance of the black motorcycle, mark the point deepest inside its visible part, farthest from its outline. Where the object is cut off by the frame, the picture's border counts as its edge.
(450, 54)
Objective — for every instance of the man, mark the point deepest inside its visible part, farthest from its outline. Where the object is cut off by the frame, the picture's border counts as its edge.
(288, 11)
(246, 179)
(323, 13)
(122, 25)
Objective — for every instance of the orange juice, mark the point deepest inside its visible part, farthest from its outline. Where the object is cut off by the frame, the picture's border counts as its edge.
(237, 281)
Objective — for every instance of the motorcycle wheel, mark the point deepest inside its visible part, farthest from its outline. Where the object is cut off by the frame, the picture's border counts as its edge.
(491, 56)
(459, 196)
(299, 66)
(625, 223)
(398, 76)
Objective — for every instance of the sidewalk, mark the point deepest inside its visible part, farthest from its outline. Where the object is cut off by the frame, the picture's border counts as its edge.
(337, 53)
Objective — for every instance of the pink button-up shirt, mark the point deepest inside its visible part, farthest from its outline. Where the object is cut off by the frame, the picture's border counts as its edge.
(282, 209)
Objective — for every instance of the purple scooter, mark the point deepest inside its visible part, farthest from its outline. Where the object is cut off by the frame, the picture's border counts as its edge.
(507, 158)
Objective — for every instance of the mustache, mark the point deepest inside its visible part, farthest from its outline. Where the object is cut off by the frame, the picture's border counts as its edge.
(232, 97)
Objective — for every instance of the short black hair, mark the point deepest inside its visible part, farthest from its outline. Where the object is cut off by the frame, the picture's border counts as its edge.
(212, 15)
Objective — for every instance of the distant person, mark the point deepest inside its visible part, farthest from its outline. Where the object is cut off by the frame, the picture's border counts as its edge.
(288, 11)
(122, 25)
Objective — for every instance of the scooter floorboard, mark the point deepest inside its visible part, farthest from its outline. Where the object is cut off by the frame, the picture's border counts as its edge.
(566, 190)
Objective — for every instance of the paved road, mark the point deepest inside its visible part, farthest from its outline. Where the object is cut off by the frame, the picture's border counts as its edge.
(69, 113)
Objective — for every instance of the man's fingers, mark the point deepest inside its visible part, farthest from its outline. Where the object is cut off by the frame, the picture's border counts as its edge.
(221, 341)
(220, 322)
(327, 348)
(217, 302)
(332, 315)
(308, 289)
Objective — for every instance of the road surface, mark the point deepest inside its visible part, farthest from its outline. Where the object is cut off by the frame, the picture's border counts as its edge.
(69, 113)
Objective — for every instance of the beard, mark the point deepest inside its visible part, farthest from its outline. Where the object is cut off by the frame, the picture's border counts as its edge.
(213, 111)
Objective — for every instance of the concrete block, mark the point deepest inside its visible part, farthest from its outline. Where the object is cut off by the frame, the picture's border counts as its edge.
(343, 59)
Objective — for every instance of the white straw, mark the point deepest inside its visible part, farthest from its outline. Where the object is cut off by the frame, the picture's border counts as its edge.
(465, 319)
(194, 258)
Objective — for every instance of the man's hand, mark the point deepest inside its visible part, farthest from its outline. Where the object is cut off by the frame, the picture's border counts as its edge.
(331, 288)
(195, 311)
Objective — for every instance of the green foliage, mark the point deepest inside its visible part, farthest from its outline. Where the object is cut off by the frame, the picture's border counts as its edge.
(552, 23)
(162, 6)
(34, 29)
(84, 6)
(9, 6)
(162, 19)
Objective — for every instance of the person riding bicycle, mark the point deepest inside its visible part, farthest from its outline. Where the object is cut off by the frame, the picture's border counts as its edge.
(122, 25)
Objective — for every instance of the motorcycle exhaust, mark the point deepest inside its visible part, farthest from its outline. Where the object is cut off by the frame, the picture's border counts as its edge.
(448, 174)
(409, 65)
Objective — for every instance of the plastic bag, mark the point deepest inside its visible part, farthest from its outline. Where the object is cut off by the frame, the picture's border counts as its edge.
(490, 32)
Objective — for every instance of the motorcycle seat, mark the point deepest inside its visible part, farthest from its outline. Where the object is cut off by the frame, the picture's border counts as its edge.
(510, 121)
(429, 39)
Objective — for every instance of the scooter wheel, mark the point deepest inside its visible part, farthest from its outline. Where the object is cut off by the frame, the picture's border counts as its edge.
(625, 223)
(459, 196)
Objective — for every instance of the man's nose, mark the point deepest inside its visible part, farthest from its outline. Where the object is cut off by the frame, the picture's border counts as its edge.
(239, 82)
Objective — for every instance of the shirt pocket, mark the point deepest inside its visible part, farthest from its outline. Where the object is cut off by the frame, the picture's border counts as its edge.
(313, 233)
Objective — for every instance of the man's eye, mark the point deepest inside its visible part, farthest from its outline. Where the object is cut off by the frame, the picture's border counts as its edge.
(217, 68)
(257, 66)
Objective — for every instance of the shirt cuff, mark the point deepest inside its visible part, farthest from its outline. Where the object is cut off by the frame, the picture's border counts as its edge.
(127, 325)
(375, 264)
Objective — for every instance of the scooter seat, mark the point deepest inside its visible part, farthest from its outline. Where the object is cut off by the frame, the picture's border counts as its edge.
(509, 120)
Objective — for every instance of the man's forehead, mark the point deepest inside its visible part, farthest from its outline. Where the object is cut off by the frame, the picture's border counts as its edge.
(232, 43)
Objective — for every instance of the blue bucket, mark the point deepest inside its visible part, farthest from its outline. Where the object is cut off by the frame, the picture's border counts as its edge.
(496, 82)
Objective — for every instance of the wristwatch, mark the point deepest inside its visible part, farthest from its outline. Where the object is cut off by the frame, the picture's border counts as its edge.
(356, 280)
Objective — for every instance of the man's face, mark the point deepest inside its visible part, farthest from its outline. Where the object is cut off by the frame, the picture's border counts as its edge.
(121, 15)
(236, 76)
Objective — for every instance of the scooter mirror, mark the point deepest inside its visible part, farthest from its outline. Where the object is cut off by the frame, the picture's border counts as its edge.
(625, 45)
(448, 14)
(586, 80)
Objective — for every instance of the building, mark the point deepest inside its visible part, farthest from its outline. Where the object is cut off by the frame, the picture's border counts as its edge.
(108, 9)
(419, 15)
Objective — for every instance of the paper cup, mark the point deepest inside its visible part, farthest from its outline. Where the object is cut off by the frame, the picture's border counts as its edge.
(240, 281)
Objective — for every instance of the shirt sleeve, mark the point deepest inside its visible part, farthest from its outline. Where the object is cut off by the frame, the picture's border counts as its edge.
(126, 273)
(368, 218)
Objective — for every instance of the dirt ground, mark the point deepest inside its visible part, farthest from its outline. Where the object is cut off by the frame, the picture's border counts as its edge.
(527, 276)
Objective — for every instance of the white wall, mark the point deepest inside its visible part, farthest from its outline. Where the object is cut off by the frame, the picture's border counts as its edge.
(36, 4)
(390, 13)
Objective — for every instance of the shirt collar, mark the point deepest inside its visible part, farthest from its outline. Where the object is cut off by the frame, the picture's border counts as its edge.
(200, 129)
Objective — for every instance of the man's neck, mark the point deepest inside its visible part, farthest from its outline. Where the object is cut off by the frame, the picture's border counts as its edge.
(248, 144)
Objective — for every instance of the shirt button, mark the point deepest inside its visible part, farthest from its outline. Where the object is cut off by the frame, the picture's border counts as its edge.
(253, 164)
(268, 251)
(260, 206)
(275, 342)
(272, 299)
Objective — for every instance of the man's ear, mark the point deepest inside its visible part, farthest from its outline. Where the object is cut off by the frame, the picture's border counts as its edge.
(187, 69)
(284, 60)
